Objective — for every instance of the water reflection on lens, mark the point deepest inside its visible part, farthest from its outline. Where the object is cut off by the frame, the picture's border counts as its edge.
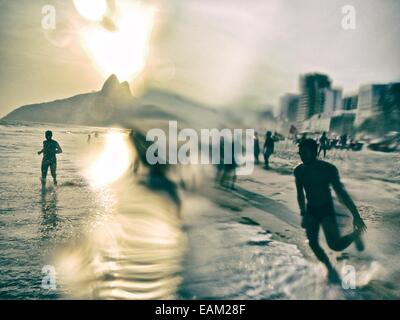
(134, 252)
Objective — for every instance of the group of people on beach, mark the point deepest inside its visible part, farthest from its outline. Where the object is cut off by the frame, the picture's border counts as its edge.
(325, 143)
(314, 179)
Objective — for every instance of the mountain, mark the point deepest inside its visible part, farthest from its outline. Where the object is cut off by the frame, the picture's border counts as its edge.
(114, 105)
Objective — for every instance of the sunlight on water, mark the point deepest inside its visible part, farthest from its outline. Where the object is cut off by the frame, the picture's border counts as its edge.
(134, 252)
(112, 163)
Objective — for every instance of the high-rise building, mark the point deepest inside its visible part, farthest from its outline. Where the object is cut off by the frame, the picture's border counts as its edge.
(369, 101)
(350, 102)
(312, 97)
(343, 123)
(288, 106)
(332, 100)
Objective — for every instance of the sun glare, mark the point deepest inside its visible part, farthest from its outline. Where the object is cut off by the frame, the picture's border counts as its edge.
(121, 52)
(112, 163)
(93, 10)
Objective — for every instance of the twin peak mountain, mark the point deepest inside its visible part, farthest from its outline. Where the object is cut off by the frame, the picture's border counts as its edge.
(113, 105)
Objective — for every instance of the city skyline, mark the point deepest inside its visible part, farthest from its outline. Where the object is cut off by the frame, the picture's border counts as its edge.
(321, 106)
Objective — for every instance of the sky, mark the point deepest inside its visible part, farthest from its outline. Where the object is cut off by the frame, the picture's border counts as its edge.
(220, 53)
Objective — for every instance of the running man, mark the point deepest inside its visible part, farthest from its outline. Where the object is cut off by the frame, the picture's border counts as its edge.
(50, 149)
(268, 148)
(315, 177)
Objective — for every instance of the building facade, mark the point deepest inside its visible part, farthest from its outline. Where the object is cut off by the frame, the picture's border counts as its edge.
(312, 97)
(368, 101)
(289, 105)
(333, 101)
(350, 103)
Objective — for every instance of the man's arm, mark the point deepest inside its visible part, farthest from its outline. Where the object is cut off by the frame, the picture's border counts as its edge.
(300, 195)
(59, 150)
(41, 151)
(345, 198)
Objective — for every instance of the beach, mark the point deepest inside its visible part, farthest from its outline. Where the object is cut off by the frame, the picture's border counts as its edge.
(127, 241)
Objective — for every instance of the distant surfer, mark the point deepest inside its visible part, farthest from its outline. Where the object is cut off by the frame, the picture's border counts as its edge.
(316, 177)
(50, 149)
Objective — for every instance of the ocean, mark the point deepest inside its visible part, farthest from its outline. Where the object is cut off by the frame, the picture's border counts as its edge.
(107, 235)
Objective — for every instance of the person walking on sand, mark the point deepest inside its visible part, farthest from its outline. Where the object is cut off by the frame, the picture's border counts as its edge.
(323, 144)
(268, 148)
(316, 177)
(256, 148)
(50, 149)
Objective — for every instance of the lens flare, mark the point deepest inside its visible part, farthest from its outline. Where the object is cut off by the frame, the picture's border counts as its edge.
(122, 52)
(93, 10)
(112, 163)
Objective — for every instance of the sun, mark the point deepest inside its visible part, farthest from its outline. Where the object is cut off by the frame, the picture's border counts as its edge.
(93, 10)
(122, 51)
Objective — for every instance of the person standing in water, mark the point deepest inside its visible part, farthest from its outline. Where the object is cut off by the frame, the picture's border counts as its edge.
(316, 177)
(268, 148)
(50, 149)
(323, 144)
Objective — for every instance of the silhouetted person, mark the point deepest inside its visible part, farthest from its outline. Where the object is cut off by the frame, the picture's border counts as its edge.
(323, 144)
(157, 179)
(352, 144)
(334, 142)
(316, 177)
(88, 138)
(50, 149)
(343, 141)
(256, 148)
(226, 175)
(268, 148)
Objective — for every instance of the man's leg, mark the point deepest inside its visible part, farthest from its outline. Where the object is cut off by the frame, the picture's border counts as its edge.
(267, 155)
(224, 176)
(53, 170)
(44, 168)
(234, 177)
(312, 232)
(333, 238)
